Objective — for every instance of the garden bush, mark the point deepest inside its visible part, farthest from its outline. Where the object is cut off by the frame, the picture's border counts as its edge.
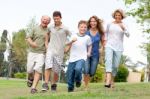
(99, 75)
(122, 74)
(20, 75)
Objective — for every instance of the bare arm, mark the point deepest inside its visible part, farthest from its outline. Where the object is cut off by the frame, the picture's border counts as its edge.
(31, 43)
(103, 40)
(47, 37)
(68, 46)
(89, 50)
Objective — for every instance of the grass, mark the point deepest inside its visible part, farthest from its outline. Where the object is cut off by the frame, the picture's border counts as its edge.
(16, 89)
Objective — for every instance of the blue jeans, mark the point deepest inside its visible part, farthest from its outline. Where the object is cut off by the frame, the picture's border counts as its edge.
(91, 66)
(112, 60)
(74, 73)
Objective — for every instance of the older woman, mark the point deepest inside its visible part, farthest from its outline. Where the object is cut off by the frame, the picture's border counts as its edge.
(114, 46)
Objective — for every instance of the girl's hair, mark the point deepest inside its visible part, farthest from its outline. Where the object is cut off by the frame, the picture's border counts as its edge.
(119, 11)
(82, 22)
(99, 24)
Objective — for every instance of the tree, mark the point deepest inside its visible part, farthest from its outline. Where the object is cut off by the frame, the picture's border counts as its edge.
(142, 13)
(32, 23)
(3, 48)
(124, 59)
(19, 52)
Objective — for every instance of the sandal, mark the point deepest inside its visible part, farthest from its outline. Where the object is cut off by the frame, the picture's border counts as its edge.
(29, 83)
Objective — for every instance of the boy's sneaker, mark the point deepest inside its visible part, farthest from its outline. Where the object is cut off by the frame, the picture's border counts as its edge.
(53, 87)
(29, 82)
(78, 84)
(33, 91)
(70, 90)
(45, 87)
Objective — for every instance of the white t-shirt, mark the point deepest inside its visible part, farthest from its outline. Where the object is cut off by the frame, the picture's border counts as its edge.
(78, 49)
(114, 36)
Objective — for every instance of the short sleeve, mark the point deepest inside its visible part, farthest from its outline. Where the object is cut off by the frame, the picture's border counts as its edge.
(49, 30)
(69, 38)
(89, 41)
(68, 32)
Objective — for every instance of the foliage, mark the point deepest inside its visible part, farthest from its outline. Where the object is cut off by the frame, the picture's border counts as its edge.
(142, 76)
(99, 75)
(32, 23)
(17, 51)
(3, 41)
(124, 59)
(19, 48)
(20, 75)
(122, 74)
(3, 47)
(142, 13)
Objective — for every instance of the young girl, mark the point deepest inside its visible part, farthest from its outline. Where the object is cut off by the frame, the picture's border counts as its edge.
(80, 49)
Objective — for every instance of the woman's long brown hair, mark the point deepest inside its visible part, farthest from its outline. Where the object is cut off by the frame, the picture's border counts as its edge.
(99, 25)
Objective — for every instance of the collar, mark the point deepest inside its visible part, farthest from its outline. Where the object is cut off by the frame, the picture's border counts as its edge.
(60, 27)
(78, 34)
(42, 27)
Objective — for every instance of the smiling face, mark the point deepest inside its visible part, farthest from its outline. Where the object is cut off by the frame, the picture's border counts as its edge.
(118, 16)
(93, 23)
(82, 28)
(57, 20)
(45, 20)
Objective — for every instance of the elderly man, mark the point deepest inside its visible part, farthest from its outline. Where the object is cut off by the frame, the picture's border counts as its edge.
(36, 55)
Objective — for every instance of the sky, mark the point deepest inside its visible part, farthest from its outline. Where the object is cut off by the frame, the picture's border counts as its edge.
(16, 14)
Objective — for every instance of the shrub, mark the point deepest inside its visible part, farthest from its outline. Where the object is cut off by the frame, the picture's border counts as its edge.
(142, 75)
(122, 74)
(99, 75)
(20, 75)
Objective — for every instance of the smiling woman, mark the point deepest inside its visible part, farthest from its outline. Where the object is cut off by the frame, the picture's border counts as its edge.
(114, 46)
(17, 13)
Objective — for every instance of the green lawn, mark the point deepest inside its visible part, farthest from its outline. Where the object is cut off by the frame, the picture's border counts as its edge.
(16, 89)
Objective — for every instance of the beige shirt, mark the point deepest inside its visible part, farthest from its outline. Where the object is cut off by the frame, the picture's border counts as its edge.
(38, 35)
(58, 38)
